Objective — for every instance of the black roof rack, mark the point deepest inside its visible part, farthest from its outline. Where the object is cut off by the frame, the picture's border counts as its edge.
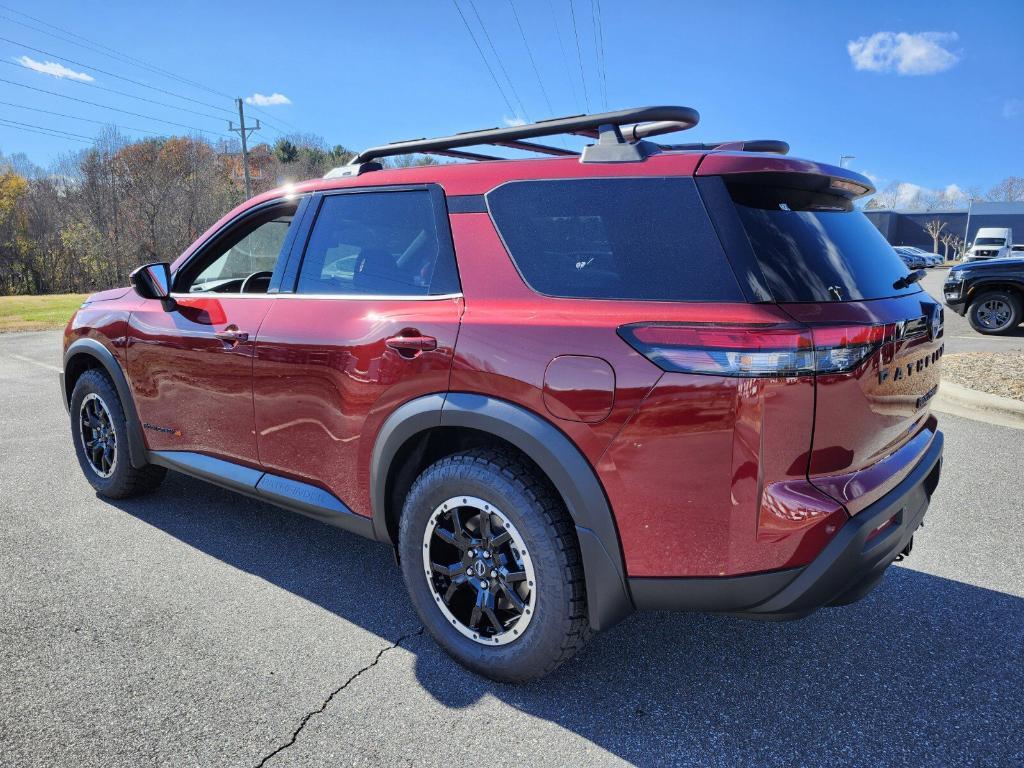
(621, 137)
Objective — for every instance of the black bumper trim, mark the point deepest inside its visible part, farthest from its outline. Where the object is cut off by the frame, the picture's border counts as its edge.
(845, 570)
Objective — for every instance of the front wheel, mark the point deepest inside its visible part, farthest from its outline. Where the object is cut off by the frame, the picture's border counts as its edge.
(492, 565)
(995, 312)
(100, 433)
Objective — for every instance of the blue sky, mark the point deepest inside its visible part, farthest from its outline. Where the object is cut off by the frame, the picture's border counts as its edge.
(930, 93)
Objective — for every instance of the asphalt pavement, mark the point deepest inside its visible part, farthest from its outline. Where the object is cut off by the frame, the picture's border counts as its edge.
(195, 627)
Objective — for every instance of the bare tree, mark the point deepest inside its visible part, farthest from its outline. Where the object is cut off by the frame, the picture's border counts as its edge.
(947, 240)
(885, 199)
(957, 244)
(933, 228)
(1010, 189)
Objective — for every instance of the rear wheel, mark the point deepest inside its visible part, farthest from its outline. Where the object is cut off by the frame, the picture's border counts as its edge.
(995, 312)
(492, 565)
(100, 434)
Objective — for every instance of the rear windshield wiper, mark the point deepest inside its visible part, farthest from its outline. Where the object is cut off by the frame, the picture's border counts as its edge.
(909, 279)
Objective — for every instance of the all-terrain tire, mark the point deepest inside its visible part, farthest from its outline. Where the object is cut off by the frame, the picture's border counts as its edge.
(115, 478)
(558, 627)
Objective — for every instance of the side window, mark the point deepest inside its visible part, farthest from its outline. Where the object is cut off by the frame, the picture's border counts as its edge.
(244, 259)
(377, 243)
(648, 239)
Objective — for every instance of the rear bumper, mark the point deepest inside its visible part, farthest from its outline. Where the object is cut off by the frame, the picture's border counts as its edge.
(846, 570)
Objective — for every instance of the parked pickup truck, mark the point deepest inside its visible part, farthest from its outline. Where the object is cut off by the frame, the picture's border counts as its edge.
(989, 293)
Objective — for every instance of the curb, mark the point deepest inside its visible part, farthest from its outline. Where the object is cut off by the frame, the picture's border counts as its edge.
(980, 406)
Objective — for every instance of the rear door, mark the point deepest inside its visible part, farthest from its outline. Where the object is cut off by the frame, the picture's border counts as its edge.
(369, 322)
(877, 336)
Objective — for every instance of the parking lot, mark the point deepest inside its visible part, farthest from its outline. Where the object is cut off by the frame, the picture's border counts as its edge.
(960, 337)
(195, 627)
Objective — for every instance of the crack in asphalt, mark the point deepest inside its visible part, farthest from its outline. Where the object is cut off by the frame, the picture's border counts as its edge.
(335, 692)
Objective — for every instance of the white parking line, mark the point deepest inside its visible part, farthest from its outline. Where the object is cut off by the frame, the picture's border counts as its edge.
(36, 362)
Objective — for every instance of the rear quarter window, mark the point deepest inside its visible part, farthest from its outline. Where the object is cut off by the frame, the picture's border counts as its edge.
(646, 239)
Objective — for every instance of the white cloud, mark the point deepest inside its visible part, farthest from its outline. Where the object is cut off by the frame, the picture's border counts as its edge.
(53, 69)
(1013, 108)
(274, 99)
(512, 122)
(918, 53)
(907, 195)
(954, 192)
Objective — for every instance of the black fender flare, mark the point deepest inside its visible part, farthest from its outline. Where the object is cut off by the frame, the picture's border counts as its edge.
(137, 453)
(988, 283)
(608, 597)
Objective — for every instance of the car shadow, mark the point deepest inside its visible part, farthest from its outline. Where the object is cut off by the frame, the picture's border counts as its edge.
(924, 671)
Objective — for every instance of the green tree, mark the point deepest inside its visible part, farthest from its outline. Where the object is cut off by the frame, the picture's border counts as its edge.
(285, 151)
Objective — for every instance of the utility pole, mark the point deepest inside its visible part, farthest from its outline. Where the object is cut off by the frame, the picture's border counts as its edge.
(844, 158)
(244, 132)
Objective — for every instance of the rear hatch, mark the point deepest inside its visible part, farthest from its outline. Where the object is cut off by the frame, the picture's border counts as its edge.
(877, 335)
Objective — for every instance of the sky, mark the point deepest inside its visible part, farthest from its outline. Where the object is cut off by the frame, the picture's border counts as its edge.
(926, 93)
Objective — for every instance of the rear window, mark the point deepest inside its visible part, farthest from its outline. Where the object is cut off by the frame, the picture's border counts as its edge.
(814, 255)
(646, 239)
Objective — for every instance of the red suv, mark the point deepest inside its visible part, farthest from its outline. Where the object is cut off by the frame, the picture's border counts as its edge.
(643, 376)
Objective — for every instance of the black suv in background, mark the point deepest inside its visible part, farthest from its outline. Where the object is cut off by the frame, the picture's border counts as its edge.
(989, 293)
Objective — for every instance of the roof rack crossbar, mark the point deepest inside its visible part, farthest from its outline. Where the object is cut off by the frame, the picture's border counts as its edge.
(639, 123)
(774, 146)
(460, 155)
(529, 146)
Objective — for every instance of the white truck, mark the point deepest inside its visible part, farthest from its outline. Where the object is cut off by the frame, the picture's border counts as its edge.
(991, 243)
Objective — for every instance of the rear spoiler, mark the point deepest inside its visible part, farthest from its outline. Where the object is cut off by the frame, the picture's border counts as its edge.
(783, 171)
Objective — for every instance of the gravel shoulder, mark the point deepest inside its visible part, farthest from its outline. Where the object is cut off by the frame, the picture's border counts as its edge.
(997, 373)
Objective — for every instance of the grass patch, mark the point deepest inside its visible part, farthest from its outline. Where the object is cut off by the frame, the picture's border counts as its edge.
(38, 313)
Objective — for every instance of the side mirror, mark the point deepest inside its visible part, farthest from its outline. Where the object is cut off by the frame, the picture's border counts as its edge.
(153, 281)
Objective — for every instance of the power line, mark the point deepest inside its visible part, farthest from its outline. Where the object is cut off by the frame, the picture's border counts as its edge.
(579, 55)
(106, 50)
(487, 64)
(83, 119)
(113, 53)
(128, 95)
(595, 11)
(565, 56)
(42, 129)
(111, 74)
(115, 109)
(276, 117)
(540, 81)
(497, 58)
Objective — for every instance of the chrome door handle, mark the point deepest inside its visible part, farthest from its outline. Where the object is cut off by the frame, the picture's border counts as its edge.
(232, 336)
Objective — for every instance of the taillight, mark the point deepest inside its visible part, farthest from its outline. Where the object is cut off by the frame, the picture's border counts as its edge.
(755, 350)
(840, 348)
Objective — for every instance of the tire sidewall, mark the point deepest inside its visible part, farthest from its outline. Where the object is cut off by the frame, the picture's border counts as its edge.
(542, 637)
(1008, 298)
(94, 382)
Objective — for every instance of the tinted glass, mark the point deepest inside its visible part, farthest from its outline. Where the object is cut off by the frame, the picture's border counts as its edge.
(258, 251)
(647, 239)
(822, 255)
(990, 241)
(374, 243)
